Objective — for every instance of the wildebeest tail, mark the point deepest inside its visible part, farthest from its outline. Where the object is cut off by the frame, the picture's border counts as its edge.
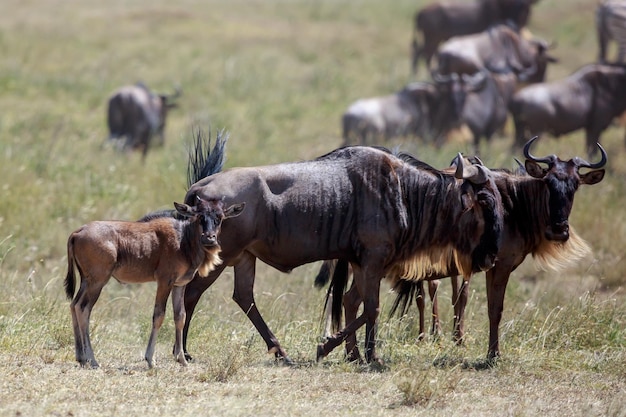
(337, 287)
(203, 161)
(323, 276)
(70, 278)
(405, 291)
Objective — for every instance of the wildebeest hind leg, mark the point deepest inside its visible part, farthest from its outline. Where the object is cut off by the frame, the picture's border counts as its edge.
(244, 297)
(351, 303)
(163, 292)
(323, 349)
(82, 304)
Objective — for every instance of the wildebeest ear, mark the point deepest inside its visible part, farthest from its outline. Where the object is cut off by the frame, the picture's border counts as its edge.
(467, 199)
(592, 177)
(184, 209)
(234, 210)
(534, 169)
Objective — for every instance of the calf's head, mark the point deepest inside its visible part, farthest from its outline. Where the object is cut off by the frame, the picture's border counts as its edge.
(208, 216)
(562, 179)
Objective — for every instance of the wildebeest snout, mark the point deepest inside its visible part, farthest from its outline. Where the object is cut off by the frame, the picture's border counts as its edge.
(209, 239)
(558, 231)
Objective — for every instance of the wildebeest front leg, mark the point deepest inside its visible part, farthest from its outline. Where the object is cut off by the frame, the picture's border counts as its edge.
(459, 301)
(178, 304)
(351, 303)
(368, 286)
(420, 302)
(497, 279)
(433, 287)
(244, 296)
(163, 292)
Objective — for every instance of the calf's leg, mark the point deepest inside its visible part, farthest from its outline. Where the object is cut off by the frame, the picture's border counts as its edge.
(81, 306)
(163, 293)
(178, 304)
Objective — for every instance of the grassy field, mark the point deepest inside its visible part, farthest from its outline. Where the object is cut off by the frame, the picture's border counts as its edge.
(277, 75)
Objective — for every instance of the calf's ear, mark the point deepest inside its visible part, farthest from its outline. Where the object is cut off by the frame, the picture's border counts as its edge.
(184, 209)
(234, 210)
(592, 177)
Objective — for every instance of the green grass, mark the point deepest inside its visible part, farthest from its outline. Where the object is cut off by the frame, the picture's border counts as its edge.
(277, 75)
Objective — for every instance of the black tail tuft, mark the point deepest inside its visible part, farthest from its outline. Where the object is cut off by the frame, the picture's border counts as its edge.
(326, 270)
(202, 160)
(405, 291)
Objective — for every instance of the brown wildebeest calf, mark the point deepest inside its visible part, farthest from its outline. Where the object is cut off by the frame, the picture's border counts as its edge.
(157, 248)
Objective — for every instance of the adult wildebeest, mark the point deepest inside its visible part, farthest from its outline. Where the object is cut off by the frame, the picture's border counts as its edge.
(405, 113)
(157, 248)
(441, 21)
(611, 25)
(135, 114)
(361, 204)
(497, 49)
(416, 110)
(485, 110)
(452, 90)
(536, 214)
(588, 99)
(507, 60)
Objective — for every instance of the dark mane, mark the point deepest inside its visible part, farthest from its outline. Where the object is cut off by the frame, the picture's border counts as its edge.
(413, 161)
(203, 162)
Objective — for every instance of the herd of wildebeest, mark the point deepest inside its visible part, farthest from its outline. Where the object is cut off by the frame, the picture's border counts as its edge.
(365, 211)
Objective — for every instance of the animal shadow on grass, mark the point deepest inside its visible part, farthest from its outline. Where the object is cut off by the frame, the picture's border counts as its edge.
(451, 361)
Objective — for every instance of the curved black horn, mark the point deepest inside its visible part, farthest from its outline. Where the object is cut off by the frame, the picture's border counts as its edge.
(459, 166)
(584, 164)
(528, 155)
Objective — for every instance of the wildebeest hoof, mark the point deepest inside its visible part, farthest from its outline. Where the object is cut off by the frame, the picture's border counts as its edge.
(89, 364)
(321, 353)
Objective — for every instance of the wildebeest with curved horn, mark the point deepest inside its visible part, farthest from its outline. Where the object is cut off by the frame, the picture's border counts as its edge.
(441, 21)
(156, 248)
(358, 203)
(135, 114)
(588, 99)
(537, 206)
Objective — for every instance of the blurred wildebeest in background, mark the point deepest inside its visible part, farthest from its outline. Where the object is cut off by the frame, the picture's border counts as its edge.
(497, 49)
(486, 109)
(135, 115)
(452, 91)
(611, 25)
(416, 110)
(156, 248)
(508, 61)
(588, 99)
(405, 113)
(537, 203)
(362, 204)
(441, 21)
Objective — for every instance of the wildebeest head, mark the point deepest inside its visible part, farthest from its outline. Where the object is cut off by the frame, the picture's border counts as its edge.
(480, 195)
(562, 179)
(209, 215)
(536, 73)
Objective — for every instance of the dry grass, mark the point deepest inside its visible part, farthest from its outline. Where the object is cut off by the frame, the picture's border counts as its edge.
(277, 75)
